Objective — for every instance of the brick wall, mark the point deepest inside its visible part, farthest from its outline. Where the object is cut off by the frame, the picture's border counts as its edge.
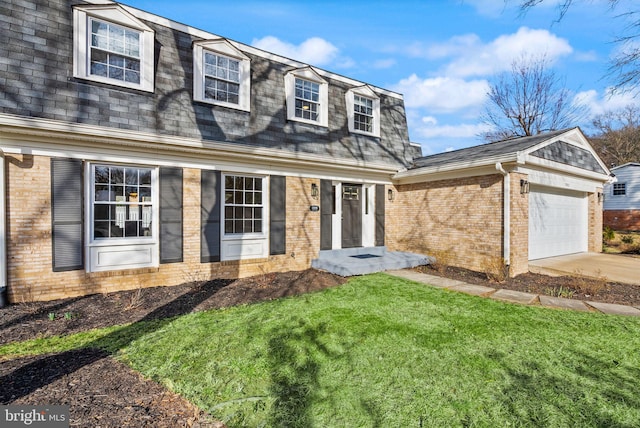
(460, 220)
(595, 222)
(624, 220)
(519, 229)
(29, 253)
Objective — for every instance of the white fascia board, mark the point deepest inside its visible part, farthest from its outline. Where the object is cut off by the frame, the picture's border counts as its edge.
(52, 138)
(561, 181)
(245, 48)
(453, 170)
(566, 169)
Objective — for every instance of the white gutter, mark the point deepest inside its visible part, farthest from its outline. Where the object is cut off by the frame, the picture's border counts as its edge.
(3, 242)
(506, 214)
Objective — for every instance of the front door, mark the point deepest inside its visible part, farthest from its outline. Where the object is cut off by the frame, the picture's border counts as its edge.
(351, 215)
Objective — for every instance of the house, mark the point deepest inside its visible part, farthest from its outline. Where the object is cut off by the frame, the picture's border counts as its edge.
(622, 198)
(137, 151)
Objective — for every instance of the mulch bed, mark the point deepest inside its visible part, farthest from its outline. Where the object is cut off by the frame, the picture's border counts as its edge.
(573, 287)
(103, 392)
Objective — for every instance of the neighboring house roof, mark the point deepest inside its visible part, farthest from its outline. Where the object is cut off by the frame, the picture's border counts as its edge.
(628, 164)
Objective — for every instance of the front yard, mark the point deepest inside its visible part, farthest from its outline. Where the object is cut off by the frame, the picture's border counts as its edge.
(382, 351)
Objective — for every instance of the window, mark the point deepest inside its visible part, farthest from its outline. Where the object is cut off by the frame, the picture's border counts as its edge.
(122, 202)
(307, 97)
(221, 74)
(363, 111)
(243, 204)
(112, 46)
(619, 189)
(115, 52)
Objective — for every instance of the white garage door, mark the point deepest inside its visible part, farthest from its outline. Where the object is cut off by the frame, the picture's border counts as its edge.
(558, 222)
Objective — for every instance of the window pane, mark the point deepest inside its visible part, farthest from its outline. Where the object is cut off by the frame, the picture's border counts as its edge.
(102, 192)
(228, 226)
(101, 212)
(117, 193)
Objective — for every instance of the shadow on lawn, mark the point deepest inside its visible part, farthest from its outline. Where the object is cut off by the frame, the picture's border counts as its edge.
(597, 392)
(47, 369)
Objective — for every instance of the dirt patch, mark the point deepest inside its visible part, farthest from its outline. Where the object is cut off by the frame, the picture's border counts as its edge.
(572, 287)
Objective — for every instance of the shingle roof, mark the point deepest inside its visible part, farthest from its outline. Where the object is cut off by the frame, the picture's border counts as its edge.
(497, 148)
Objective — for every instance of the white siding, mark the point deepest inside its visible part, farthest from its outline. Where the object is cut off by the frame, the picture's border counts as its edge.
(629, 174)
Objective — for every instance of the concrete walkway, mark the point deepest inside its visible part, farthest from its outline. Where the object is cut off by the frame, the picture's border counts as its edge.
(516, 296)
(613, 267)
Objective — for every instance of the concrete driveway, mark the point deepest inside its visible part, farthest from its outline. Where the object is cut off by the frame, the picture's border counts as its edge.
(615, 267)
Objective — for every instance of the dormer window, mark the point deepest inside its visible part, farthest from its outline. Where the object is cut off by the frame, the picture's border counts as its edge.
(221, 74)
(111, 46)
(307, 97)
(363, 111)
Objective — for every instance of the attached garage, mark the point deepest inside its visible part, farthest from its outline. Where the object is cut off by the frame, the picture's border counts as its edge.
(506, 202)
(558, 222)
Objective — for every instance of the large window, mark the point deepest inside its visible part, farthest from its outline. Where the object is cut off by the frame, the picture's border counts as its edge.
(122, 201)
(619, 189)
(243, 204)
(111, 46)
(221, 74)
(307, 97)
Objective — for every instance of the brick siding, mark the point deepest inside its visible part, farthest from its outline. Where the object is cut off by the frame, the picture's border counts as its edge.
(460, 220)
(29, 254)
(623, 220)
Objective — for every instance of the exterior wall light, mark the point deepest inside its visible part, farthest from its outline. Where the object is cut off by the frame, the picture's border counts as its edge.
(314, 191)
(390, 195)
(600, 197)
(524, 187)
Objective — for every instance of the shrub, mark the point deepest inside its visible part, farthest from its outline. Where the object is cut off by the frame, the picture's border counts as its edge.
(588, 285)
(627, 239)
(608, 234)
(495, 269)
(441, 260)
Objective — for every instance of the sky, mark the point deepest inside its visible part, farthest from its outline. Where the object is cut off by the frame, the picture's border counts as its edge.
(440, 54)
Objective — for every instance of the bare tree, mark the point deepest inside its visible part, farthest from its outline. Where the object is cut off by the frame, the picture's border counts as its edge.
(618, 136)
(624, 65)
(528, 100)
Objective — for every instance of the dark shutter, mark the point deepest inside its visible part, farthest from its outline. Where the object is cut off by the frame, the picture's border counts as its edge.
(326, 212)
(210, 210)
(66, 214)
(170, 215)
(380, 198)
(277, 215)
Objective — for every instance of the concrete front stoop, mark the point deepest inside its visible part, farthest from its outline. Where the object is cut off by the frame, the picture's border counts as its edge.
(365, 260)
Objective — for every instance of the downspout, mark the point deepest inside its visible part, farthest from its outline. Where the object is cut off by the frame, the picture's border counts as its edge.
(3, 242)
(506, 253)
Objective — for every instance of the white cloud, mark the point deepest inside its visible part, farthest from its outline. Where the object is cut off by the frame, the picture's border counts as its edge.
(441, 94)
(315, 51)
(599, 103)
(482, 60)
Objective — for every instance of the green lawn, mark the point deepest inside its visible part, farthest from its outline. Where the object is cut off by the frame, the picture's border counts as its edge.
(385, 352)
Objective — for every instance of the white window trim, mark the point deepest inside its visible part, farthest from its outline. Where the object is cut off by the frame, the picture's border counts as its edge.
(613, 190)
(290, 93)
(224, 48)
(115, 253)
(247, 245)
(116, 15)
(367, 92)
